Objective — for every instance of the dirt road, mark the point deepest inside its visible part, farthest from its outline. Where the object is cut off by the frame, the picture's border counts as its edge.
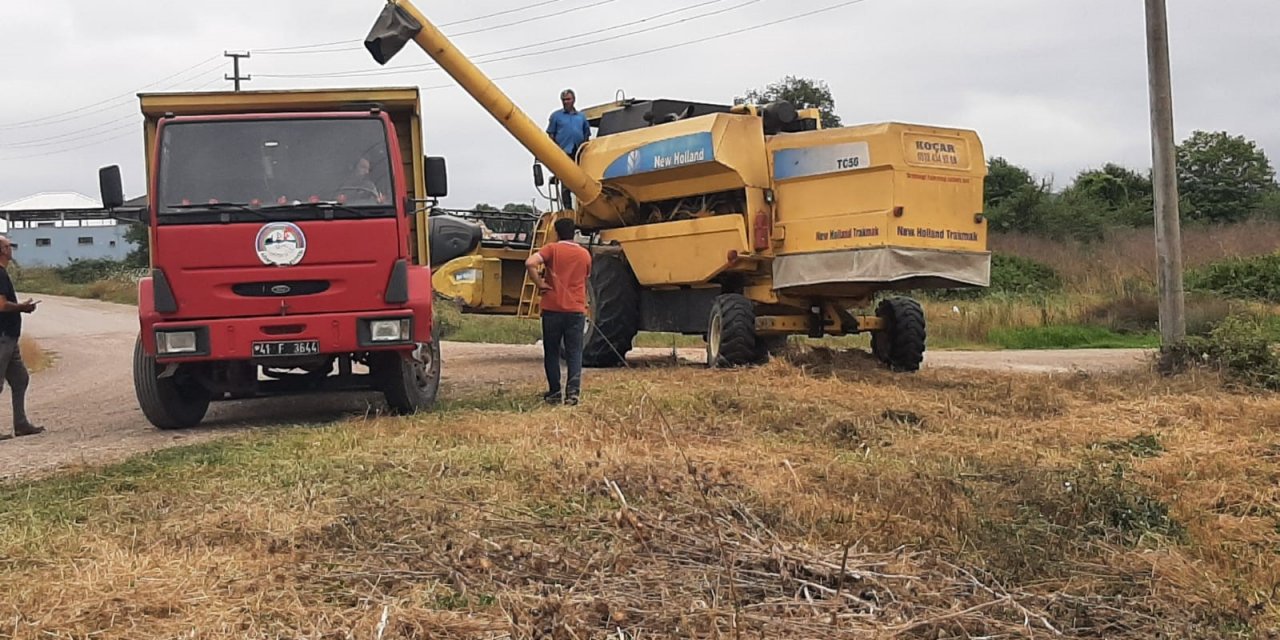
(86, 402)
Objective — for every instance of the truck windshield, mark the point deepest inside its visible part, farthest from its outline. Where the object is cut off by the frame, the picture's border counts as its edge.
(236, 165)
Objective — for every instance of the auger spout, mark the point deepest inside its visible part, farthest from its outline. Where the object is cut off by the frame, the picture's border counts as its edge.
(401, 22)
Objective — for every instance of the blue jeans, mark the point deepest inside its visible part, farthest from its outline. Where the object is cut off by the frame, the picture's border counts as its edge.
(563, 328)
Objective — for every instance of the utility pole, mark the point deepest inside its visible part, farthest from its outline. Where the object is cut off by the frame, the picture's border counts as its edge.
(235, 61)
(1173, 324)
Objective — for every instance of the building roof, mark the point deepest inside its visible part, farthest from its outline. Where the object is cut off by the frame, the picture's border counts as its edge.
(62, 201)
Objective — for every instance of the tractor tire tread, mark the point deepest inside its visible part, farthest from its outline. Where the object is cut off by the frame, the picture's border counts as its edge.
(904, 345)
(615, 296)
(737, 330)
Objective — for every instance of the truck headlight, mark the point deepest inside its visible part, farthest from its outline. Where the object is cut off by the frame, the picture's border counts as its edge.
(390, 330)
(467, 276)
(174, 342)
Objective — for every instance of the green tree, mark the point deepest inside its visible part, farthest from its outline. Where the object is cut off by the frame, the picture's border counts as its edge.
(1123, 195)
(140, 236)
(801, 92)
(517, 207)
(1222, 178)
(1005, 180)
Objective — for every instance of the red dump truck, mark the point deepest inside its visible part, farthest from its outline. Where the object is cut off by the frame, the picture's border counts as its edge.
(289, 249)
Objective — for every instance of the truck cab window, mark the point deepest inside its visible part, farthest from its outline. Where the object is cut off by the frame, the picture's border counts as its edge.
(265, 162)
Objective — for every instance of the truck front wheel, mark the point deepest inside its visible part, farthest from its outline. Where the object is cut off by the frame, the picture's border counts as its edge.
(175, 402)
(409, 384)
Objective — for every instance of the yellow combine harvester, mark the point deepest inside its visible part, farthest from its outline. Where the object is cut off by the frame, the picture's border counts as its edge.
(744, 224)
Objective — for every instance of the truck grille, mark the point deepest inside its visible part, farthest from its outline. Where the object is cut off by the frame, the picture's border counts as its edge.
(281, 289)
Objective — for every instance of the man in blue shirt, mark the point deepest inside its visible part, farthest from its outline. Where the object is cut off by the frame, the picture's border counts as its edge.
(568, 127)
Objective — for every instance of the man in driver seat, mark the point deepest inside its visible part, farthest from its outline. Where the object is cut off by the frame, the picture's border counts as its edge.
(360, 188)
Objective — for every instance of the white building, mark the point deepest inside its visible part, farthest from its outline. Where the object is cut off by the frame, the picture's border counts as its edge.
(53, 229)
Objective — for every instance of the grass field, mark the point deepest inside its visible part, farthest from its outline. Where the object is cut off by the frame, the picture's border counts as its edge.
(819, 498)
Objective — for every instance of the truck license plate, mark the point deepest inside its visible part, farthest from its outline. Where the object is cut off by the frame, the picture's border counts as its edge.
(290, 348)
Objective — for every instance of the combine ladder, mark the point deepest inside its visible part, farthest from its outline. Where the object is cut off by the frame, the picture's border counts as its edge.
(530, 298)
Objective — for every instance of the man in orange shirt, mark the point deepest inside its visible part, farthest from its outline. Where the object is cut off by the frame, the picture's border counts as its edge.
(564, 307)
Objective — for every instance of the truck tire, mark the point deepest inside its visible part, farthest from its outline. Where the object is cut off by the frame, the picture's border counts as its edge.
(613, 317)
(411, 384)
(731, 332)
(169, 403)
(901, 343)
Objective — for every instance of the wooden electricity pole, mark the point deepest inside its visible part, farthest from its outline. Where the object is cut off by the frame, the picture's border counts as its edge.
(1173, 324)
(235, 61)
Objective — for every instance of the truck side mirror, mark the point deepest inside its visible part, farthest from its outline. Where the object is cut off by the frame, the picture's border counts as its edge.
(112, 188)
(538, 178)
(437, 175)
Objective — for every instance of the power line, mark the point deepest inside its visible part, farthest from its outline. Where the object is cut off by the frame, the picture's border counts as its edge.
(70, 134)
(727, 34)
(297, 48)
(54, 118)
(46, 141)
(432, 66)
(82, 144)
(719, 36)
(590, 5)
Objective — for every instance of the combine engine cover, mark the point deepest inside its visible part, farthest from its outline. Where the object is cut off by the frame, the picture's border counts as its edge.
(892, 203)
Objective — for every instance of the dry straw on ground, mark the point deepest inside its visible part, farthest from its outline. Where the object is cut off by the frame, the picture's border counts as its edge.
(820, 498)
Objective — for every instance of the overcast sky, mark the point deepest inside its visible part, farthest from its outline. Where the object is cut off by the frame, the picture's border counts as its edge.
(1057, 86)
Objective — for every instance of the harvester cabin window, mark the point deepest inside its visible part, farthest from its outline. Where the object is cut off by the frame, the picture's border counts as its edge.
(264, 163)
(84, 240)
(44, 242)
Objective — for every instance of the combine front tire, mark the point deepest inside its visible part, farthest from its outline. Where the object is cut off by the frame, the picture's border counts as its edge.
(901, 343)
(176, 402)
(409, 384)
(731, 332)
(614, 312)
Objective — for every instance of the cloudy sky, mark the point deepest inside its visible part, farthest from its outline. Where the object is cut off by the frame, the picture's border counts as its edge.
(1056, 86)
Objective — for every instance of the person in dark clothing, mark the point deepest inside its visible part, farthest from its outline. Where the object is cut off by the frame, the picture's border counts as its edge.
(11, 364)
(564, 307)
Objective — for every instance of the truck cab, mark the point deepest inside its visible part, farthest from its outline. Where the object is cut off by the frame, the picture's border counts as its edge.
(288, 254)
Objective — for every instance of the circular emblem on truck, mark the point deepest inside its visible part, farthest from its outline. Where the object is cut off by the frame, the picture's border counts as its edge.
(281, 243)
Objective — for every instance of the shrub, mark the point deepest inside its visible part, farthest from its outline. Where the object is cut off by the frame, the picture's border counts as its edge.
(1010, 274)
(1139, 312)
(1241, 347)
(1255, 278)
(88, 271)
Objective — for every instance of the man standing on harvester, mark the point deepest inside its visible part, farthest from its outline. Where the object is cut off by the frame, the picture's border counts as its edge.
(564, 308)
(570, 129)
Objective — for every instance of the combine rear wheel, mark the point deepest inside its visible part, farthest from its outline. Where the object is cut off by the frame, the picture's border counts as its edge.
(176, 402)
(731, 332)
(901, 343)
(613, 312)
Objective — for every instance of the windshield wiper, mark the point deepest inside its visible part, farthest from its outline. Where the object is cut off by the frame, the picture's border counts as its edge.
(215, 206)
(330, 206)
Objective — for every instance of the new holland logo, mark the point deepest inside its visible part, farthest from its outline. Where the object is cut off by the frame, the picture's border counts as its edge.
(281, 244)
(633, 161)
